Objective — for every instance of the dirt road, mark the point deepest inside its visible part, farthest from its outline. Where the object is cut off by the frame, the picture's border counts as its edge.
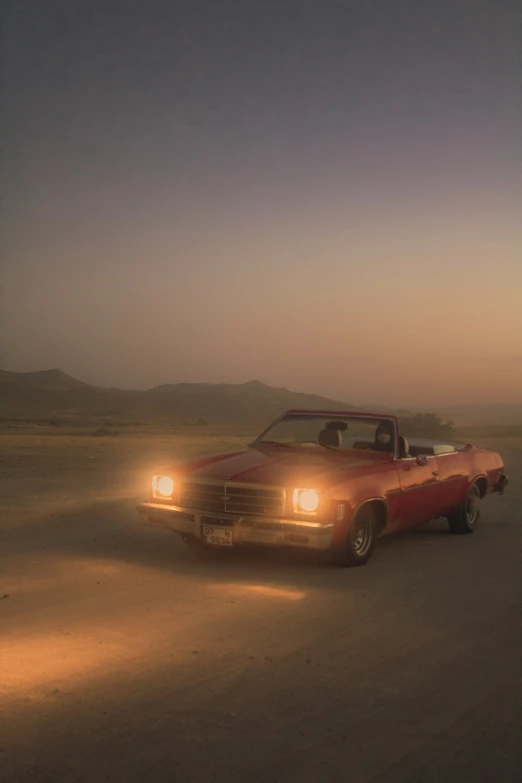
(126, 657)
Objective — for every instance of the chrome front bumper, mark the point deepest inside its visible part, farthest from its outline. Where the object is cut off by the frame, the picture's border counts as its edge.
(245, 530)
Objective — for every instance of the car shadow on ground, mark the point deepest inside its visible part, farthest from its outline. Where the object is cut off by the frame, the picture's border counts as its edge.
(113, 531)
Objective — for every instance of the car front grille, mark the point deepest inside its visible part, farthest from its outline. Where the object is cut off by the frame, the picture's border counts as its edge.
(232, 498)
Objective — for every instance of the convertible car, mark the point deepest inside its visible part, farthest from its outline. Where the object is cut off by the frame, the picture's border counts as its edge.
(326, 481)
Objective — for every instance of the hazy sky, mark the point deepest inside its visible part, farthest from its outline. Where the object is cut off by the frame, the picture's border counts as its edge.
(319, 194)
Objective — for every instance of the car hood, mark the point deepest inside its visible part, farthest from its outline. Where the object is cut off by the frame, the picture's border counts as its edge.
(281, 467)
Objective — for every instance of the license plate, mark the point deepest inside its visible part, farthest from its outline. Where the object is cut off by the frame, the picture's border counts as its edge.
(217, 536)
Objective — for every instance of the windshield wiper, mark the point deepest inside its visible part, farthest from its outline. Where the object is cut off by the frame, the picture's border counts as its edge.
(274, 443)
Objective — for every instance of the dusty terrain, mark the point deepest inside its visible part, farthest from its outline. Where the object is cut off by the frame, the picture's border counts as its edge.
(126, 657)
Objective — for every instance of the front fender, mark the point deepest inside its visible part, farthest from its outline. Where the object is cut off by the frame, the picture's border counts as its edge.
(352, 508)
(380, 486)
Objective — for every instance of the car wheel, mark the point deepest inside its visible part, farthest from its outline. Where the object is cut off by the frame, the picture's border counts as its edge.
(358, 545)
(465, 519)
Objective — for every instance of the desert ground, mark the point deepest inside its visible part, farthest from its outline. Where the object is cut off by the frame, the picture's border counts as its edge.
(124, 656)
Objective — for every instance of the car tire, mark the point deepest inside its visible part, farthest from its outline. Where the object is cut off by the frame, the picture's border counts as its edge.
(358, 545)
(464, 519)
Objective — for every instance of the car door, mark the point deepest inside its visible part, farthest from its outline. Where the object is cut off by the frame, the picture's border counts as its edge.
(420, 487)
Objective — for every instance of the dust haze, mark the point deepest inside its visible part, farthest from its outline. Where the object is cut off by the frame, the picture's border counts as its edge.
(213, 212)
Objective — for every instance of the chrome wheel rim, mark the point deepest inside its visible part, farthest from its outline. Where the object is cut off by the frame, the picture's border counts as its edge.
(472, 507)
(361, 538)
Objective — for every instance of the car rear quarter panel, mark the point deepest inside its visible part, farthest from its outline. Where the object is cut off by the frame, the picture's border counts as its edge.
(486, 464)
(457, 471)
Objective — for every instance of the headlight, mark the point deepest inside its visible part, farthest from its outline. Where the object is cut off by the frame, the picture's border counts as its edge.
(306, 501)
(162, 486)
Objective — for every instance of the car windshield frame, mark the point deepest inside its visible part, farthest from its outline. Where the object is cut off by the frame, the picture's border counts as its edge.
(264, 437)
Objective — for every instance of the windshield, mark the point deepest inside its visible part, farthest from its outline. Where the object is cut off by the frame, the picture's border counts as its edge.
(324, 431)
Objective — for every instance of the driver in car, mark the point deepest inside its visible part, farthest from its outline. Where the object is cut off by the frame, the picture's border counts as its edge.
(384, 437)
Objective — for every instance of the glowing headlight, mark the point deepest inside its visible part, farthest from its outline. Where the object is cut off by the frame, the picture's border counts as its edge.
(162, 486)
(306, 501)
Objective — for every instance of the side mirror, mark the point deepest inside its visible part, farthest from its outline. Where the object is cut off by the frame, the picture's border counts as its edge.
(421, 460)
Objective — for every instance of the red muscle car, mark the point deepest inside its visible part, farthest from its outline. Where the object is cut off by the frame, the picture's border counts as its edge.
(324, 480)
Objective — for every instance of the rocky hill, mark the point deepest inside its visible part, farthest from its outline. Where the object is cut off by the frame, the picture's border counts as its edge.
(53, 393)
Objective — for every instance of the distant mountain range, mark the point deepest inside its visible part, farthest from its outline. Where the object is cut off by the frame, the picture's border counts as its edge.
(52, 393)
